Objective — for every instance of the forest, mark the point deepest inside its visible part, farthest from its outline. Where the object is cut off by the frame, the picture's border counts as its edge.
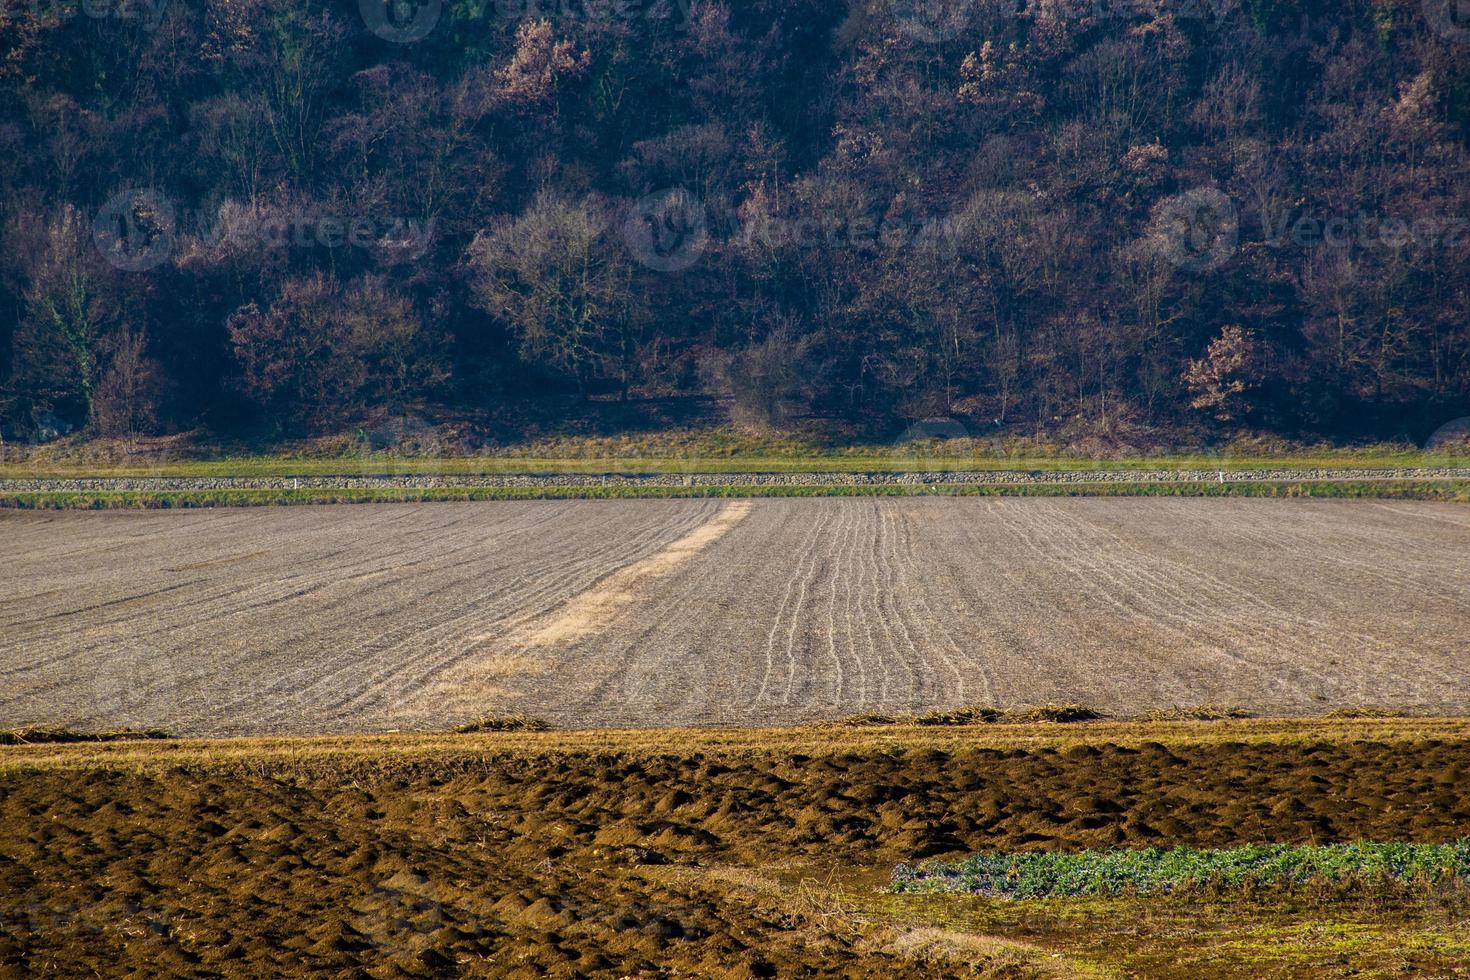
(286, 217)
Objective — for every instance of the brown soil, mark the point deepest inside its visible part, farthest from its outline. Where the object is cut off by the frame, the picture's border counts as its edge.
(618, 855)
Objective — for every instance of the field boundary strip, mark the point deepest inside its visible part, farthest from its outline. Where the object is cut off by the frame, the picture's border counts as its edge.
(814, 478)
(388, 752)
(170, 493)
(1442, 490)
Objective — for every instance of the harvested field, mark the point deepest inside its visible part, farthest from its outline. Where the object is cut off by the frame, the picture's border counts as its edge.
(638, 613)
(711, 854)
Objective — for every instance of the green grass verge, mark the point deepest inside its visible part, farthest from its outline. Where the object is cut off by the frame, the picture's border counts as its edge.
(1449, 490)
(287, 466)
(1183, 870)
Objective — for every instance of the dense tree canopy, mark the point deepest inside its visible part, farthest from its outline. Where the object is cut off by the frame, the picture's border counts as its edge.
(300, 212)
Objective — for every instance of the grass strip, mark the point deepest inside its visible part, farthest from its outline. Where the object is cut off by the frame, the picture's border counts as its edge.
(1447, 490)
(921, 458)
(1184, 870)
(401, 754)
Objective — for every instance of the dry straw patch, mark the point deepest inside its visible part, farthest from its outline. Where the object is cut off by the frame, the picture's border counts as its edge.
(589, 612)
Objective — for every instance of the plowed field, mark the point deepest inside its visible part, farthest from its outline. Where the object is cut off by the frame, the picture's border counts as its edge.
(738, 854)
(646, 613)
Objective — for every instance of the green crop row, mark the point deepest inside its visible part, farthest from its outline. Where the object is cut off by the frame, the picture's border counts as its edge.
(1185, 870)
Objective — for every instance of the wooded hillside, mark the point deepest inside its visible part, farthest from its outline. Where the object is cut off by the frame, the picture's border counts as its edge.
(291, 215)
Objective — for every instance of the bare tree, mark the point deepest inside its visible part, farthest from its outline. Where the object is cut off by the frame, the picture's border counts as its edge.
(125, 402)
(767, 380)
(58, 344)
(558, 280)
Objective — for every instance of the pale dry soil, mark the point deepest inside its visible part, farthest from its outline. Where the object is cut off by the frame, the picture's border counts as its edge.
(651, 613)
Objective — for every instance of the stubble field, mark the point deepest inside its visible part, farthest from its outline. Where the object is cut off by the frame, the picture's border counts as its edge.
(757, 612)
